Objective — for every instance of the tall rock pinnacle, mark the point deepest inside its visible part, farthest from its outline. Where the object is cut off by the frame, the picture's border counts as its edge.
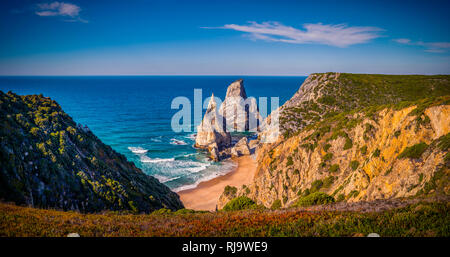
(240, 113)
(211, 130)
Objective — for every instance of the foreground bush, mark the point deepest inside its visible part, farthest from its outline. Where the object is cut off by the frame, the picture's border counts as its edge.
(314, 199)
(240, 203)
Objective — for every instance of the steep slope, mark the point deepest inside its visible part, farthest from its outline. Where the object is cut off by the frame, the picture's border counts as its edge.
(325, 95)
(48, 161)
(357, 137)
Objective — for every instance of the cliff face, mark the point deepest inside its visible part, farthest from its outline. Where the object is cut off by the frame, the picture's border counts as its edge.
(48, 161)
(392, 141)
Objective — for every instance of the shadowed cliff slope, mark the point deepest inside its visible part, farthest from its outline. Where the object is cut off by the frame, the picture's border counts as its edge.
(47, 160)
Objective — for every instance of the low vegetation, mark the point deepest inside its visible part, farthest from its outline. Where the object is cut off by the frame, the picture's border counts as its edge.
(315, 198)
(420, 219)
(414, 152)
(240, 203)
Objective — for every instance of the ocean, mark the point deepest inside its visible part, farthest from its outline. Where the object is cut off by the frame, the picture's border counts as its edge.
(133, 115)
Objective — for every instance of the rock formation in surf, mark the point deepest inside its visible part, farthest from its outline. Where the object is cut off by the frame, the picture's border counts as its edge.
(238, 113)
(210, 133)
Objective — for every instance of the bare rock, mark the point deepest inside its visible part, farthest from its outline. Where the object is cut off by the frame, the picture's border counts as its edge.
(211, 131)
(241, 147)
(239, 111)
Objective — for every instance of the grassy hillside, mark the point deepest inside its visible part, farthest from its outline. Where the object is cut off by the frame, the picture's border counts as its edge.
(333, 93)
(47, 160)
(418, 219)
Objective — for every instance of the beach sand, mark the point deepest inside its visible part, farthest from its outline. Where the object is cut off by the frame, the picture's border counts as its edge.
(207, 193)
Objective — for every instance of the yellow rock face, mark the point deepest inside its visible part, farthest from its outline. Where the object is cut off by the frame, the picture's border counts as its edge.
(380, 172)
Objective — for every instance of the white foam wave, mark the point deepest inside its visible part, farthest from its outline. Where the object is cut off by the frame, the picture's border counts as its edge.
(164, 179)
(137, 150)
(228, 168)
(157, 139)
(155, 160)
(191, 136)
(198, 169)
(175, 141)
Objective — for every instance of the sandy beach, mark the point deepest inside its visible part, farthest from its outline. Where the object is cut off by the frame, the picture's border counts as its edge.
(206, 194)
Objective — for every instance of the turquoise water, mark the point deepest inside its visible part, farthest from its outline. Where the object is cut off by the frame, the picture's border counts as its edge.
(133, 114)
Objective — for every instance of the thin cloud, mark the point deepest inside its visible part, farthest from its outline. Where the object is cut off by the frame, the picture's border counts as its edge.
(431, 47)
(60, 9)
(339, 35)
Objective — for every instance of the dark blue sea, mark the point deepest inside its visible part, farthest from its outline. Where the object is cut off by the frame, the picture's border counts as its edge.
(133, 115)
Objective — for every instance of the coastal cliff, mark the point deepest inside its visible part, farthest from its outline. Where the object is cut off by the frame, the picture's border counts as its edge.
(348, 137)
(49, 161)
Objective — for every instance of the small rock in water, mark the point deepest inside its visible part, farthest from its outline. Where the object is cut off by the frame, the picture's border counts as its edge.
(73, 235)
(373, 235)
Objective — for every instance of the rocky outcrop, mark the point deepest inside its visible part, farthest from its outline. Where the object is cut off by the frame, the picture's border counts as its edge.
(47, 161)
(211, 134)
(240, 148)
(240, 113)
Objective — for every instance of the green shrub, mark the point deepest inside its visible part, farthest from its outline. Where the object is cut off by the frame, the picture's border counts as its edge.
(240, 203)
(309, 146)
(348, 143)
(289, 161)
(276, 205)
(363, 149)
(314, 199)
(230, 190)
(187, 211)
(388, 171)
(354, 165)
(334, 168)
(353, 193)
(303, 193)
(376, 153)
(34, 131)
(326, 147)
(340, 198)
(414, 151)
(316, 185)
(444, 142)
(328, 181)
(327, 157)
(162, 211)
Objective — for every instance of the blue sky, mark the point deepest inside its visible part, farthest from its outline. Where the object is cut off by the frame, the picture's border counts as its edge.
(106, 37)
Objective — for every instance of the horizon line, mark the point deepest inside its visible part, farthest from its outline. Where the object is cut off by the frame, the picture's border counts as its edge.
(210, 75)
(149, 75)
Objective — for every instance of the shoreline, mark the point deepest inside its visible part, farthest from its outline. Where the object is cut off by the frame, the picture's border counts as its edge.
(206, 195)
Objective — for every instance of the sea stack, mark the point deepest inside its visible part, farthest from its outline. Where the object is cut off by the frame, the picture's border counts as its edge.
(211, 134)
(240, 113)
